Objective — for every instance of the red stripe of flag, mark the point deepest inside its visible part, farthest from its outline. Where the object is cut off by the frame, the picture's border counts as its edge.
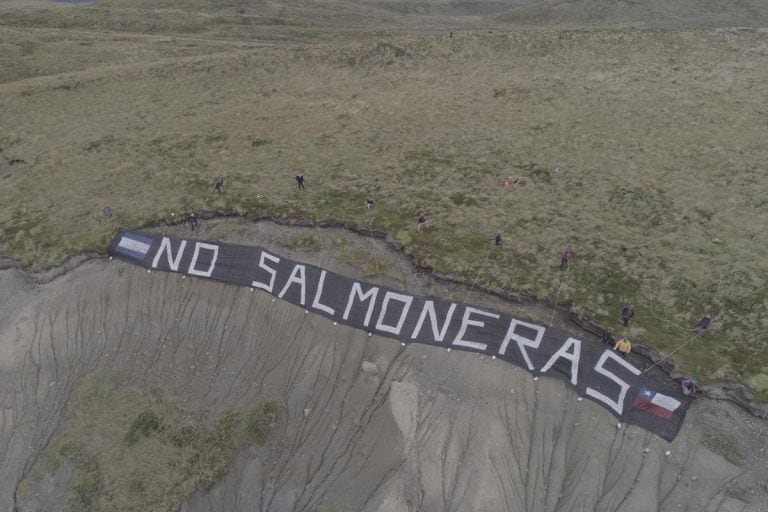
(646, 405)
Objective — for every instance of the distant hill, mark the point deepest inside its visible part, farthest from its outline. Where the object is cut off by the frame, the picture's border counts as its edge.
(650, 13)
(442, 14)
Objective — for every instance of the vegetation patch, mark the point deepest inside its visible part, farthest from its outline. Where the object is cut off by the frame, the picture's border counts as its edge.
(144, 424)
(139, 451)
(262, 420)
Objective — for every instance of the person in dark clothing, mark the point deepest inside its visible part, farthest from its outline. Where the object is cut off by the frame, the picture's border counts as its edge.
(688, 386)
(218, 183)
(369, 203)
(627, 314)
(607, 337)
(300, 180)
(565, 258)
(421, 220)
(704, 324)
(497, 240)
(107, 211)
(192, 219)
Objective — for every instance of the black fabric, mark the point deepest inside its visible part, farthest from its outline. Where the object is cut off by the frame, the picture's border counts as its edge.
(595, 371)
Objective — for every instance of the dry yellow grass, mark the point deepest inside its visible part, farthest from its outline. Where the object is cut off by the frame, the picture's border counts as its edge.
(643, 150)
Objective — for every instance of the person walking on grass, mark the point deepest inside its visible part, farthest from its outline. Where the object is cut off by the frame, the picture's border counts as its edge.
(218, 184)
(421, 220)
(497, 240)
(192, 219)
(300, 180)
(703, 325)
(627, 314)
(565, 258)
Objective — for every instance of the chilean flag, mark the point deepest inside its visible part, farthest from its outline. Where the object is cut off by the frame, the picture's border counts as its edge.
(656, 403)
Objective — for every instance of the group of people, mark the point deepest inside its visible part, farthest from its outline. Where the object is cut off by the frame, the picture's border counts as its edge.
(219, 182)
(624, 346)
(192, 219)
(621, 345)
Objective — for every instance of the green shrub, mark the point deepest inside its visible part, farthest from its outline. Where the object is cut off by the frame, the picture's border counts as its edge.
(262, 420)
(144, 424)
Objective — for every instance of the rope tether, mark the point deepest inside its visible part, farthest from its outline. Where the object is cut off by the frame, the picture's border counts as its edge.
(670, 354)
(557, 296)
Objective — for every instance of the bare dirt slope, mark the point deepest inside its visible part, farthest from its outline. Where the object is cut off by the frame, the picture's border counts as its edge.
(367, 424)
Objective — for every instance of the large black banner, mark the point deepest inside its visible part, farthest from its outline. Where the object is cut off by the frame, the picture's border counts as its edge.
(595, 372)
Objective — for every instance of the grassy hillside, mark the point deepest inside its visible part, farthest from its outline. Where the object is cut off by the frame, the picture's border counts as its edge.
(643, 150)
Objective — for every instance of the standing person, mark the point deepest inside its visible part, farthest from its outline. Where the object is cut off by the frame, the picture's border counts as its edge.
(421, 220)
(218, 183)
(497, 240)
(627, 314)
(300, 180)
(369, 203)
(565, 258)
(689, 387)
(607, 337)
(704, 324)
(192, 219)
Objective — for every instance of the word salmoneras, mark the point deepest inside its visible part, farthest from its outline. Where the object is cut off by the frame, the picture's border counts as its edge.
(595, 372)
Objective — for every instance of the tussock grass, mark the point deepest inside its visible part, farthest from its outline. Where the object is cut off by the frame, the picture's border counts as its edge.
(262, 420)
(641, 150)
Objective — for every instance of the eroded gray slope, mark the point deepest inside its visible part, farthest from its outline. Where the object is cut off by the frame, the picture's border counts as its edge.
(411, 429)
